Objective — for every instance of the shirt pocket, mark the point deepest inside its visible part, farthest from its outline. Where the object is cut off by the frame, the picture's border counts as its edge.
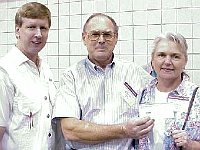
(28, 108)
(25, 112)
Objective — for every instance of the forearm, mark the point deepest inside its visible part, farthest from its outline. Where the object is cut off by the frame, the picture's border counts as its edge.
(2, 130)
(192, 145)
(91, 133)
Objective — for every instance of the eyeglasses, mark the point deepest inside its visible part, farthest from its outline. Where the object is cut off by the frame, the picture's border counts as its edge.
(95, 35)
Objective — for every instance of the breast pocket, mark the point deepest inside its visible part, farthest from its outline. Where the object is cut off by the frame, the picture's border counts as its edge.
(26, 112)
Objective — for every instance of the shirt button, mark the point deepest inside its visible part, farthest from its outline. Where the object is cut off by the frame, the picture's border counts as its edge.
(45, 98)
(49, 135)
(48, 116)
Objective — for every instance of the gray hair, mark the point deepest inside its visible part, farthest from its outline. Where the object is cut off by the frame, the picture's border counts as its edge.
(174, 37)
(104, 15)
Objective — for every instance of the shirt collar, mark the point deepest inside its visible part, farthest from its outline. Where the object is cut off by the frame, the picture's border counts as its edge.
(178, 91)
(21, 58)
(94, 66)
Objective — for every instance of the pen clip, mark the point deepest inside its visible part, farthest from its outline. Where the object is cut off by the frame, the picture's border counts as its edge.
(130, 89)
(31, 119)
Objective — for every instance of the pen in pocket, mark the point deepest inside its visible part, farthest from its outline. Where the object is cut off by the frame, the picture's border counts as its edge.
(130, 89)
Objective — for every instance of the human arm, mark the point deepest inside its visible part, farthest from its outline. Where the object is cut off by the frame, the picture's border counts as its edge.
(91, 133)
(181, 139)
(6, 92)
(2, 130)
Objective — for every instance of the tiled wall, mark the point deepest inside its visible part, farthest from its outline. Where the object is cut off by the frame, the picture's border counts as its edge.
(140, 21)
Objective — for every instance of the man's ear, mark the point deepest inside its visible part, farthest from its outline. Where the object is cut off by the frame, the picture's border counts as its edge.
(84, 38)
(17, 28)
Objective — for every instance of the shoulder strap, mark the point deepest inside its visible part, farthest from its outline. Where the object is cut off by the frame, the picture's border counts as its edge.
(189, 107)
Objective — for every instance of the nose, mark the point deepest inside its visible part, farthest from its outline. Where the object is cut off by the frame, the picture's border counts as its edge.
(168, 60)
(101, 39)
(38, 32)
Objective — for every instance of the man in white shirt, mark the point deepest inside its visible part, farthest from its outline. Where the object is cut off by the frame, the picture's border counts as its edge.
(26, 84)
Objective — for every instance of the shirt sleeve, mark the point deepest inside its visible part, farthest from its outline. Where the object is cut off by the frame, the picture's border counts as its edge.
(66, 103)
(6, 97)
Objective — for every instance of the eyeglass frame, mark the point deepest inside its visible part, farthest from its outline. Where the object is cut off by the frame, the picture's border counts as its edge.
(89, 34)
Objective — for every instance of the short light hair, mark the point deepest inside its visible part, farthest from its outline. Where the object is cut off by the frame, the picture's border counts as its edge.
(174, 37)
(116, 28)
(33, 10)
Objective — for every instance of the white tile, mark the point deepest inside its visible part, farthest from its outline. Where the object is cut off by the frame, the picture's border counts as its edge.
(196, 61)
(75, 21)
(154, 4)
(140, 17)
(140, 59)
(140, 46)
(4, 38)
(64, 1)
(64, 22)
(169, 16)
(4, 26)
(195, 15)
(53, 36)
(64, 61)
(195, 3)
(126, 18)
(54, 9)
(140, 32)
(55, 74)
(154, 31)
(140, 5)
(63, 48)
(126, 33)
(4, 14)
(184, 15)
(64, 35)
(196, 45)
(126, 47)
(63, 9)
(87, 7)
(53, 61)
(112, 6)
(75, 8)
(75, 35)
(75, 59)
(126, 6)
(196, 78)
(184, 3)
(54, 22)
(168, 4)
(11, 38)
(154, 17)
(185, 30)
(75, 48)
(169, 28)
(126, 57)
(11, 14)
(196, 30)
(52, 48)
(99, 6)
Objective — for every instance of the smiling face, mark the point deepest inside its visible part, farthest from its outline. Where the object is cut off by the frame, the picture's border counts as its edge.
(32, 36)
(168, 60)
(100, 50)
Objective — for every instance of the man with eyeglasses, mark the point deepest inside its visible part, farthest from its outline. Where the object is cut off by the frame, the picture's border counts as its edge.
(97, 102)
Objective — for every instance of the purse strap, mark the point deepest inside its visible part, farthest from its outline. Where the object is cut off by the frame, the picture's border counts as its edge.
(189, 107)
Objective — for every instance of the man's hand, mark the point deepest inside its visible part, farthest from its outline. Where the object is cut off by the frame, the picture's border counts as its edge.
(138, 129)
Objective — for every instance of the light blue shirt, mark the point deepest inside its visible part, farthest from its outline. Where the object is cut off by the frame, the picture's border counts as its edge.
(88, 92)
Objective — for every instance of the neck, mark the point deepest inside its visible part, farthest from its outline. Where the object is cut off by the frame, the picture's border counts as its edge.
(102, 62)
(166, 85)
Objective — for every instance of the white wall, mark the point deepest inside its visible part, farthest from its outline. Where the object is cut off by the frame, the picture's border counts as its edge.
(140, 21)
